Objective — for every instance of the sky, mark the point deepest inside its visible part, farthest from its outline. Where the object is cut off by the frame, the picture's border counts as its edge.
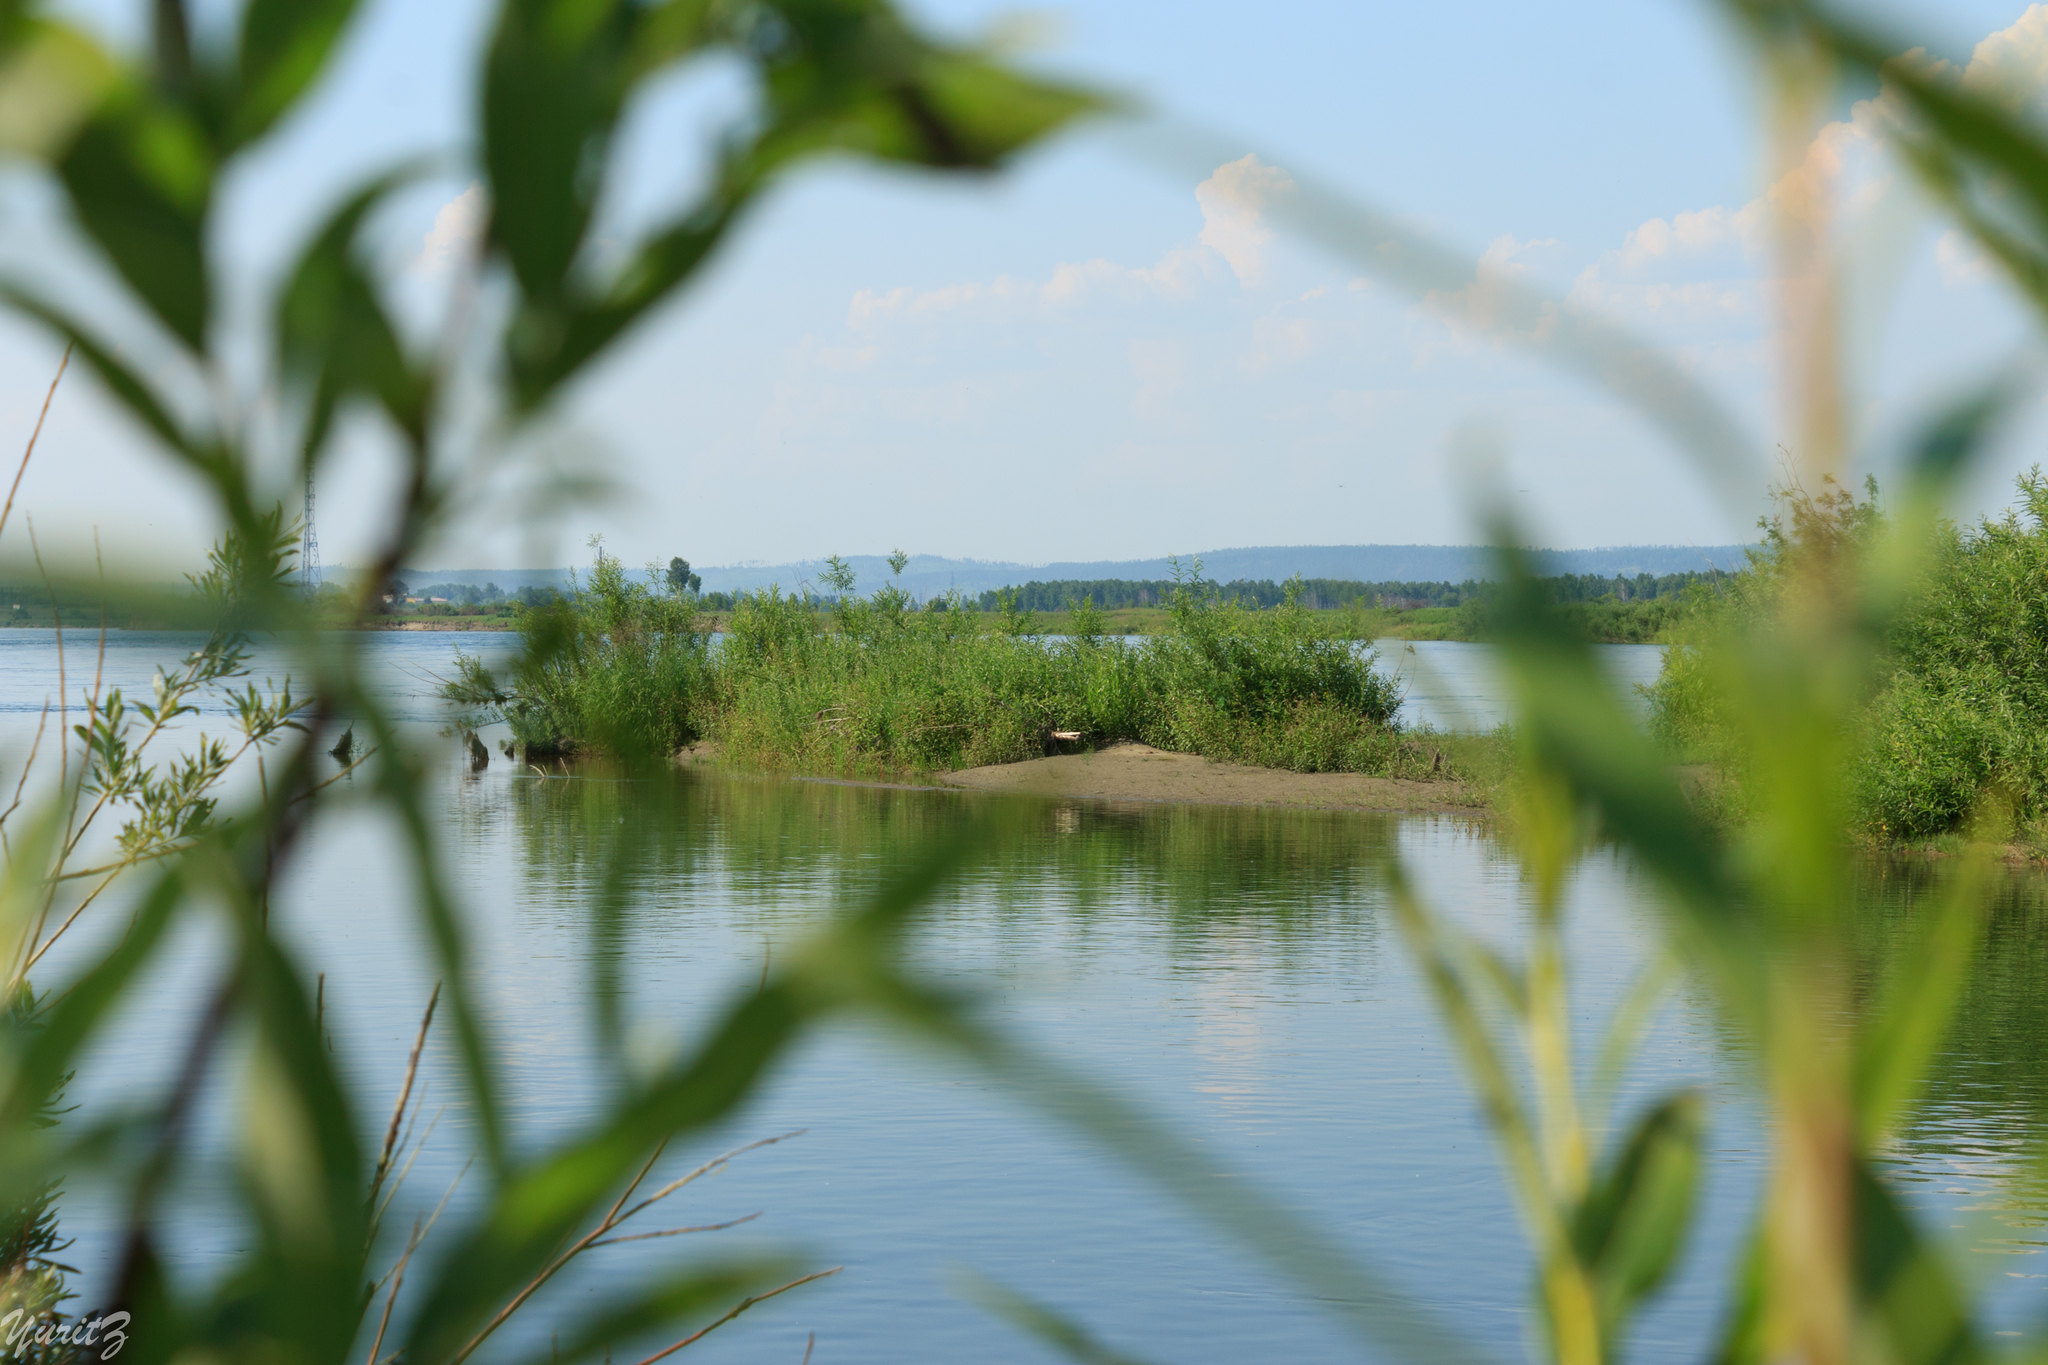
(1109, 352)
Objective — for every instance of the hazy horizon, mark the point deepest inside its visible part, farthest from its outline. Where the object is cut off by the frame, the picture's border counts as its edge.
(1103, 348)
(930, 575)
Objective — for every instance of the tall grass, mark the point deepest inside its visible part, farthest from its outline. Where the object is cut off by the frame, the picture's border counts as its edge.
(617, 664)
(1762, 915)
(873, 685)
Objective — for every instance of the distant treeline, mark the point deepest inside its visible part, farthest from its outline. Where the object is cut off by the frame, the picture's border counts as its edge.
(1111, 593)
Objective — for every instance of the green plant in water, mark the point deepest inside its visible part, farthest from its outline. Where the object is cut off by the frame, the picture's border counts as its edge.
(886, 688)
(1761, 916)
(1606, 1226)
(137, 149)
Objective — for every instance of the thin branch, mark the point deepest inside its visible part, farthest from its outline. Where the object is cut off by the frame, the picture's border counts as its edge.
(319, 787)
(412, 1151)
(15, 487)
(612, 1219)
(742, 1306)
(391, 1299)
(29, 766)
(43, 945)
(666, 1190)
(675, 1232)
(412, 1067)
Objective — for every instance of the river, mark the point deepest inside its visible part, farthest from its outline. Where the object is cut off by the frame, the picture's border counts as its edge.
(1233, 970)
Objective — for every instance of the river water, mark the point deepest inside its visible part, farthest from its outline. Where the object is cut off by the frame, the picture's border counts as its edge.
(1233, 970)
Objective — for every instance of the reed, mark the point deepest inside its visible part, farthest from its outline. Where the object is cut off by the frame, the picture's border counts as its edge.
(1760, 916)
(871, 686)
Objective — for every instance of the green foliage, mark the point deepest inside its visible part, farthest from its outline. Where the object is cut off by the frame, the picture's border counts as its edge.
(1326, 594)
(1954, 726)
(1960, 720)
(1761, 914)
(139, 150)
(1822, 534)
(619, 665)
(878, 687)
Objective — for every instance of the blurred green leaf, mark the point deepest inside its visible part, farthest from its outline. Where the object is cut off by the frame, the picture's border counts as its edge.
(1629, 1228)
(53, 1049)
(839, 75)
(303, 1174)
(399, 784)
(140, 175)
(1048, 1324)
(1958, 129)
(333, 336)
(1449, 964)
(549, 344)
(1573, 721)
(665, 1307)
(553, 87)
(128, 387)
(1913, 1311)
(1742, 1337)
(1918, 1003)
(544, 1203)
(52, 78)
(1952, 441)
(285, 45)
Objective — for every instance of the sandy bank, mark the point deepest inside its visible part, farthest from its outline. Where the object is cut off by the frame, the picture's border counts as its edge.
(1139, 772)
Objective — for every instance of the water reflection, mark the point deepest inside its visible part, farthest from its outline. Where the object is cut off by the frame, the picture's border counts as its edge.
(780, 847)
(1229, 968)
(1228, 917)
(1966, 1150)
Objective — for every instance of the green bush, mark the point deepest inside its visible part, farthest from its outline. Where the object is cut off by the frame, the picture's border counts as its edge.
(1961, 718)
(873, 685)
(1957, 718)
(617, 665)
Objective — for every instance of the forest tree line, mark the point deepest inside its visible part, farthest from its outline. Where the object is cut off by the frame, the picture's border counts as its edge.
(1325, 593)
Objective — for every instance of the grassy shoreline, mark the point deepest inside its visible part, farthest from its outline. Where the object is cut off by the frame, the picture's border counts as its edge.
(875, 688)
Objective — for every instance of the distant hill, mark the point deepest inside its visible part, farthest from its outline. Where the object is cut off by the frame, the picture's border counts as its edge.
(509, 579)
(930, 575)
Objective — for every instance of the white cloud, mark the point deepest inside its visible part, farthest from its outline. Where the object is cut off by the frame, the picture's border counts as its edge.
(1234, 200)
(1960, 260)
(455, 231)
(1174, 275)
(1488, 303)
(2011, 65)
(1501, 255)
(1841, 178)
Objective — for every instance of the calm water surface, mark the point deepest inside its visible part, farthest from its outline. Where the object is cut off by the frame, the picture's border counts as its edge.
(1234, 970)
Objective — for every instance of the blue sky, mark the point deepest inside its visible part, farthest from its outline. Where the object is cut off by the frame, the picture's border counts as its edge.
(1097, 356)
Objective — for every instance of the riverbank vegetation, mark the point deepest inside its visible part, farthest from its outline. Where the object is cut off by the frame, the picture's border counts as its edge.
(873, 686)
(258, 1141)
(1609, 610)
(1954, 730)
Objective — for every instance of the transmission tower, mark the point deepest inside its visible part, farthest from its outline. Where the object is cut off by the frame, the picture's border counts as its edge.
(309, 547)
